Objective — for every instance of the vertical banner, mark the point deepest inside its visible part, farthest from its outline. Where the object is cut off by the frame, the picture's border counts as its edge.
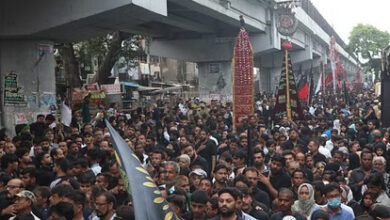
(357, 83)
(323, 78)
(242, 77)
(311, 87)
(332, 50)
(287, 100)
(320, 83)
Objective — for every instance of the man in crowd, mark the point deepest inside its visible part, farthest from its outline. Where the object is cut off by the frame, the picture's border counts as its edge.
(195, 153)
(227, 204)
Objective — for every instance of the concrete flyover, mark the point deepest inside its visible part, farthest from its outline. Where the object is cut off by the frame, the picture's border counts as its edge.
(201, 31)
(310, 42)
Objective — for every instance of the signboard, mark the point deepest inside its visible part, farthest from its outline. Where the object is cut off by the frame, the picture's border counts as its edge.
(44, 49)
(20, 118)
(97, 97)
(135, 95)
(48, 101)
(287, 23)
(215, 96)
(214, 68)
(155, 69)
(13, 92)
(90, 79)
(111, 88)
(93, 87)
(144, 68)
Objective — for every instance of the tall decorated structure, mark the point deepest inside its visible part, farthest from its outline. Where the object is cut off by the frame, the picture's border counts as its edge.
(287, 100)
(242, 76)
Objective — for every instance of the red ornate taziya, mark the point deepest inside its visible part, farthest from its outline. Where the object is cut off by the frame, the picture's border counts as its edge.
(242, 77)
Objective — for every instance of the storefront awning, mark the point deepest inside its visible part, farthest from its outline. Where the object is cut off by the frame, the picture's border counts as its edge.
(130, 84)
(147, 88)
(169, 89)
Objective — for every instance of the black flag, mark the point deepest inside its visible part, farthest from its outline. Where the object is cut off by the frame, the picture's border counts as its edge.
(149, 203)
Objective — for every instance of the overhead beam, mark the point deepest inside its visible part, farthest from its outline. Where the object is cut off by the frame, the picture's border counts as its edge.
(186, 24)
(224, 14)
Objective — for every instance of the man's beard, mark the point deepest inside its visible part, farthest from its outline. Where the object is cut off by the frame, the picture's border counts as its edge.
(274, 171)
(258, 164)
(246, 209)
(222, 180)
(101, 215)
(226, 211)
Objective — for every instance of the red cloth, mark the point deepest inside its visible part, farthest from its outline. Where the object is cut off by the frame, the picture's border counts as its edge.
(338, 73)
(358, 77)
(304, 93)
(328, 79)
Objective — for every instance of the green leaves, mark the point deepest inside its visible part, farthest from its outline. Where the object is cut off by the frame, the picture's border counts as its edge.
(98, 48)
(367, 42)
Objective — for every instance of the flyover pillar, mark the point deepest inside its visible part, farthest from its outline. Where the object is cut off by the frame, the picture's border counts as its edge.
(27, 69)
(215, 80)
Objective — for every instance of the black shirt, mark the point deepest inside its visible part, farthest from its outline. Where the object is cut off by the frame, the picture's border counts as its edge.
(259, 214)
(4, 203)
(202, 163)
(357, 176)
(319, 157)
(189, 216)
(45, 176)
(37, 128)
(261, 196)
(280, 181)
(208, 152)
(219, 217)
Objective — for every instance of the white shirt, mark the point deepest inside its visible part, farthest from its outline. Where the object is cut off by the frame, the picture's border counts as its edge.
(246, 216)
(112, 217)
(329, 145)
(55, 182)
(182, 109)
(324, 151)
(96, 169)
(214, 139)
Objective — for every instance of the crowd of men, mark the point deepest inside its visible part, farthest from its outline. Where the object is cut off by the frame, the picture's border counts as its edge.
(331, 164)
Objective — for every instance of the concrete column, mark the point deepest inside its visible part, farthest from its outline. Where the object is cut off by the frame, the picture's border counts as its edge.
(215, 79)
(33, 63)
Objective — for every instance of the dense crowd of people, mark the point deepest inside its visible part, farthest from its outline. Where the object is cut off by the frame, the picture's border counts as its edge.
(331, 164)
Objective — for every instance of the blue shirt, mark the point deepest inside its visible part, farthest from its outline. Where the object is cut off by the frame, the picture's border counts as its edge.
(327, 132)
(344, 214)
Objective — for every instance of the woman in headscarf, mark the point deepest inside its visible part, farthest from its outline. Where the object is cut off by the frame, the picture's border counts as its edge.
(363, 207)
(305, 203)
(354, 161)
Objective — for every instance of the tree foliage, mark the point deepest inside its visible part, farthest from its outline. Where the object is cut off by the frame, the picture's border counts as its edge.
(107, 50)
(366, 42)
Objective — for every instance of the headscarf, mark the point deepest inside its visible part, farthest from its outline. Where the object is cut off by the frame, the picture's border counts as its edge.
(354, 161)
(381, 146)
(305, 206)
